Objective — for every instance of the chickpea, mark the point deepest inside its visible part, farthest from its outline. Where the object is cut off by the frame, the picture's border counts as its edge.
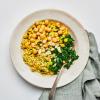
(47, 29)
(42, 36)
(33, 68)
(34, 35)
(49, 38)
(60, 32)
(32, 44)
(31, 40)
(30, 35)
(43, 22)
(46, 33)
(30, 30)
(40, 30)
(33, 26)
(27, 44)
(25, 36)
(37, 47)
(56, 34)
(46, 22)
(23, 46)
(37, 22)
(46, 45)
(52, 44)
(43, 27)
(43, 50)
(38, 37)
(54, 39)
(35, 51)
(48, 58)
(38, 33)
(24, 41)
(52, 49)
(39, 51)
(46, 38)
(44, 41)
(58, 24)
(36, 29)
(38, 26)
(62, 28)
(57, 38)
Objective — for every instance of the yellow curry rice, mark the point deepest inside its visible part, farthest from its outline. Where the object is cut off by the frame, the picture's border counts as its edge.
(39, 41)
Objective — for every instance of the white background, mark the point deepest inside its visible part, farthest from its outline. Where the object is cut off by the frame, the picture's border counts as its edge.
(12, 87)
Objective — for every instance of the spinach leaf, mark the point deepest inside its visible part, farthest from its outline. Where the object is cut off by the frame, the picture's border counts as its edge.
(68, 55)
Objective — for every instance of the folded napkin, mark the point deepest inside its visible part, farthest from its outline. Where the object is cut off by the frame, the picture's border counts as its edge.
(87, 85)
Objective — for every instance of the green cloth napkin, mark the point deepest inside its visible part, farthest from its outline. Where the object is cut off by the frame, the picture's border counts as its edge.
(87, 85)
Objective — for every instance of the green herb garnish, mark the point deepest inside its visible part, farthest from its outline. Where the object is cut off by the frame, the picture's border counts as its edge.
(67, 55)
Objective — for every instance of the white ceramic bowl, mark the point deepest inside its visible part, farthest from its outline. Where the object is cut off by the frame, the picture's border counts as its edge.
(81, 46)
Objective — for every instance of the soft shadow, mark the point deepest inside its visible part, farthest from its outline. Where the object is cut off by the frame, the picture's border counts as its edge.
(20, 78)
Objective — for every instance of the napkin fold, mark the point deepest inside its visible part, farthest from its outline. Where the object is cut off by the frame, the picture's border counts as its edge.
(87, 85)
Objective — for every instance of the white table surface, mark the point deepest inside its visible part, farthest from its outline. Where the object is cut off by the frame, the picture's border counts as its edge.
(12, 87)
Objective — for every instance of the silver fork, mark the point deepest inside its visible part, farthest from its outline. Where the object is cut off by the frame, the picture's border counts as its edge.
(53, 89)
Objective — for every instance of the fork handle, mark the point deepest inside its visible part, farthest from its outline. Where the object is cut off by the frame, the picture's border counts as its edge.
(53, 89)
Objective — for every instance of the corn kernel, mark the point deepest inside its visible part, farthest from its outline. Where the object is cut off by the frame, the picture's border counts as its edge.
(65, 40)
(62, 45)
